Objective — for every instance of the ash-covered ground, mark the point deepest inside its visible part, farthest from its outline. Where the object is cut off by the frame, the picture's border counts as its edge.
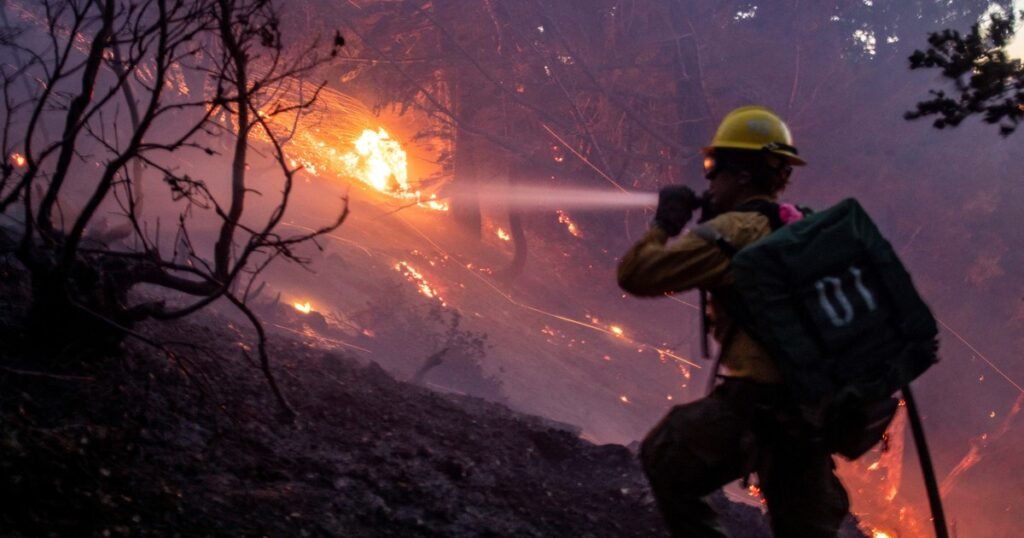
(191, 443)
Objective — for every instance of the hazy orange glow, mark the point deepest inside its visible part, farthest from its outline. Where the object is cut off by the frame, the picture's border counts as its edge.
(305, 307)
(875, 533)
(503, 235)
(615, 329)
(18, 159)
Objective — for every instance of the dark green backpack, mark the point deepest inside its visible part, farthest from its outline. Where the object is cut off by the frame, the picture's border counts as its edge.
(834, 306)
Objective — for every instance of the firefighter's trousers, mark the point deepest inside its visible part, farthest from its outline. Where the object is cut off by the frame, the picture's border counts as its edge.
(740, 428)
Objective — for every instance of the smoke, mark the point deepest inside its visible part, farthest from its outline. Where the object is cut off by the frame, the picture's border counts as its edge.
(630, 94)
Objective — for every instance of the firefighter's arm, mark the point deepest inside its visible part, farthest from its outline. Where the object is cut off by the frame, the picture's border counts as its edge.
(653, 266)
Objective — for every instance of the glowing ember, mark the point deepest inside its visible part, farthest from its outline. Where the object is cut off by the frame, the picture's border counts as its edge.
(615, 330)
(557, 154)
(433, 203)
(18, 159)
(414, 276)
(563, 218)
(624, 399)
(503, 235)
(305, 307)
(754, 490)
(306, 165)
(875, 533)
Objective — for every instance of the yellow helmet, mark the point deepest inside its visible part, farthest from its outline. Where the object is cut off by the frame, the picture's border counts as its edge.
(755, 128)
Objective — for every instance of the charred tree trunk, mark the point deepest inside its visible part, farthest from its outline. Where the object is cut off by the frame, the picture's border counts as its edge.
(519, 255)
(466, 170)
(466, 97)
(515, 216)
(84, 306)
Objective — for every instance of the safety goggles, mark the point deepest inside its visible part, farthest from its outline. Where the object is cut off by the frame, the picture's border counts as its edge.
(713, 167)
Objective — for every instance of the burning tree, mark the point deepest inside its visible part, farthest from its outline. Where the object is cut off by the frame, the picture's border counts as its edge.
(100, 96)
(530, 89)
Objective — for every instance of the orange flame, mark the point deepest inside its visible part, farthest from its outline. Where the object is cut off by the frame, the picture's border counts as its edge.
(876, 480)
(503, 235)
(433, 203)
(414, 276)
(379, 161)
(305, 307)
(18, 160)
(341, 138)
(977, 444)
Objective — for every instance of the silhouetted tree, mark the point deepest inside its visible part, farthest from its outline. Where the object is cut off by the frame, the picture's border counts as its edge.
(987, 81)
(68, 65)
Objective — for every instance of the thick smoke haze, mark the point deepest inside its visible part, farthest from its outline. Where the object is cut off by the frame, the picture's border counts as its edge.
(587, 95)
(512, 113)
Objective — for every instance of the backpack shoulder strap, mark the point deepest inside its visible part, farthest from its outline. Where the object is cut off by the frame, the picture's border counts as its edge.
(769, 209)
(710, 234)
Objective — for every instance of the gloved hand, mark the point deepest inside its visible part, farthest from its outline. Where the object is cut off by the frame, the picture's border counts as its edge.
(707, 209)
(675, 208)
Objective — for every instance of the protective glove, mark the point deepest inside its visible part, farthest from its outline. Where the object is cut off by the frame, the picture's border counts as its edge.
(675, 208)
(707, 209)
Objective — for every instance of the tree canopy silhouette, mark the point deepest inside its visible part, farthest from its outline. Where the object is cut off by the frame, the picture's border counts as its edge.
(987, 81)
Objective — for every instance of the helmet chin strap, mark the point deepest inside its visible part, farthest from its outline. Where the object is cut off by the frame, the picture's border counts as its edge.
(783, 170)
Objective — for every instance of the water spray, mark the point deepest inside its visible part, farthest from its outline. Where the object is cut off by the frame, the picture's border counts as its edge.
(528, 197)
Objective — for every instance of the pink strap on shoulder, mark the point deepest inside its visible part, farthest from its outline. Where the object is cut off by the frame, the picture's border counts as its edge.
(789, 213)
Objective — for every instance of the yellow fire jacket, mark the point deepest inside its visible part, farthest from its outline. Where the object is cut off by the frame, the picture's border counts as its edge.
(654, 266)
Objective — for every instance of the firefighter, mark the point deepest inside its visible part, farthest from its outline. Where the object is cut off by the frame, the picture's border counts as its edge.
(747, 424)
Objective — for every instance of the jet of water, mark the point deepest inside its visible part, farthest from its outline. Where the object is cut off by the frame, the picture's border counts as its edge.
(526, 197)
